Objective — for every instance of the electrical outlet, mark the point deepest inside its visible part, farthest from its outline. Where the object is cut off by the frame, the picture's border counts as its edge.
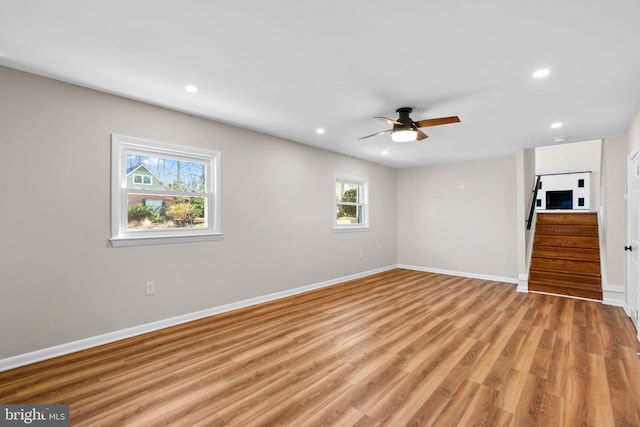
(149, 288)
(361, 255)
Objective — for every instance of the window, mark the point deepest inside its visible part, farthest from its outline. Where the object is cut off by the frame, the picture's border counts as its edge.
(351, 210)
(163, 193)
(153, 203)
(142, 179)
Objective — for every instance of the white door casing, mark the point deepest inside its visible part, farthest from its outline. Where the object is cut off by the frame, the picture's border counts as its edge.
(633, 266)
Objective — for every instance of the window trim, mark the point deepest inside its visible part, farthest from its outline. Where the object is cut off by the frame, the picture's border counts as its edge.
(364, 203)
(120, 236)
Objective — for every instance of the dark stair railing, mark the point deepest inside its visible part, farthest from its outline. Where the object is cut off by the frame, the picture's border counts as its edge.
(532, 206)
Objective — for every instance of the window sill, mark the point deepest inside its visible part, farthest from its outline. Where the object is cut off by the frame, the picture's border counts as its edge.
(118, 242)
(351, 229)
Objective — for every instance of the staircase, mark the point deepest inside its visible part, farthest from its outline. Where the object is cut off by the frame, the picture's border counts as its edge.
(566, 255)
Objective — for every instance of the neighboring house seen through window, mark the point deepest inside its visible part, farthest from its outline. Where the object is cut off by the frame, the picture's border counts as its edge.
(351, 207)
(163, 193)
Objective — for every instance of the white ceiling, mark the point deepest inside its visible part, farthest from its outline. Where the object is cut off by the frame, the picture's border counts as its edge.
(287, 67)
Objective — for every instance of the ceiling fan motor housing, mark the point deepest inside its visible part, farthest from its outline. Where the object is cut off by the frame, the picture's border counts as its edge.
(403, 117)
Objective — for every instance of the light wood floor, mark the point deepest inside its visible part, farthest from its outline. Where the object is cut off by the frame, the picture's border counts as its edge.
(397, 348)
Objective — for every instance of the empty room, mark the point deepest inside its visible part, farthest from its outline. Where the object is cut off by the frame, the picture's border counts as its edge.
(305, 213)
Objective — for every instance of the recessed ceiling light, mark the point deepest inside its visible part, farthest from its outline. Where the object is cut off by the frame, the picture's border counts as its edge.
(541, 73)
(556, 125)
(320, 131)
(191, 88)
(385, 152)
(559, 139)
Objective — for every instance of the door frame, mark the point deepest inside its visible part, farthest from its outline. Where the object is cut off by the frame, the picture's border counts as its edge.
(632, 295)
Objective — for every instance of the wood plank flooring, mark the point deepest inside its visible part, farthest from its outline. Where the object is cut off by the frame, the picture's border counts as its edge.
(393, 349)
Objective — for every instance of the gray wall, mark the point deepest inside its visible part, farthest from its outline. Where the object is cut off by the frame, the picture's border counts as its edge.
(459, 217)
(60, 280)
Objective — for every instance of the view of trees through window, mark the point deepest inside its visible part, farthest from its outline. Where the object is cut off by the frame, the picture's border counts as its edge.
(348, 203)
(159, 206)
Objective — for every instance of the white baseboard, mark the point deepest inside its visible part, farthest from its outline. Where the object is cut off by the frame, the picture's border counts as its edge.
(460, 273)
(523, 283)
(613, 288)
(83, 344)
(617, 303)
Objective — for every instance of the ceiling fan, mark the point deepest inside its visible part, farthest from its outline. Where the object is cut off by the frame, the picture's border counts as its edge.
(405, 130)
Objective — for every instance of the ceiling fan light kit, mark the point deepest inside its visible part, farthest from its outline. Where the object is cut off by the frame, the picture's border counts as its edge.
(404, 135)
(406, 130)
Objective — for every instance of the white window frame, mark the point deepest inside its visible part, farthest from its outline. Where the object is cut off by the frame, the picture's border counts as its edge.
(120, 234)
(363, 184)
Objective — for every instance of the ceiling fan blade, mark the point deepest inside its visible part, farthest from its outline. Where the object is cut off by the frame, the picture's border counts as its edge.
(377, 133)
(390, 121)
(436, 122)
(421, 135)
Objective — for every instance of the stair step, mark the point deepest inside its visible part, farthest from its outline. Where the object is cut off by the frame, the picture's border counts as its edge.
(567, 229)
(584, 218)
(573, 280)
(566, 241)
(580, 254)
(587, 268)
(565, 290)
